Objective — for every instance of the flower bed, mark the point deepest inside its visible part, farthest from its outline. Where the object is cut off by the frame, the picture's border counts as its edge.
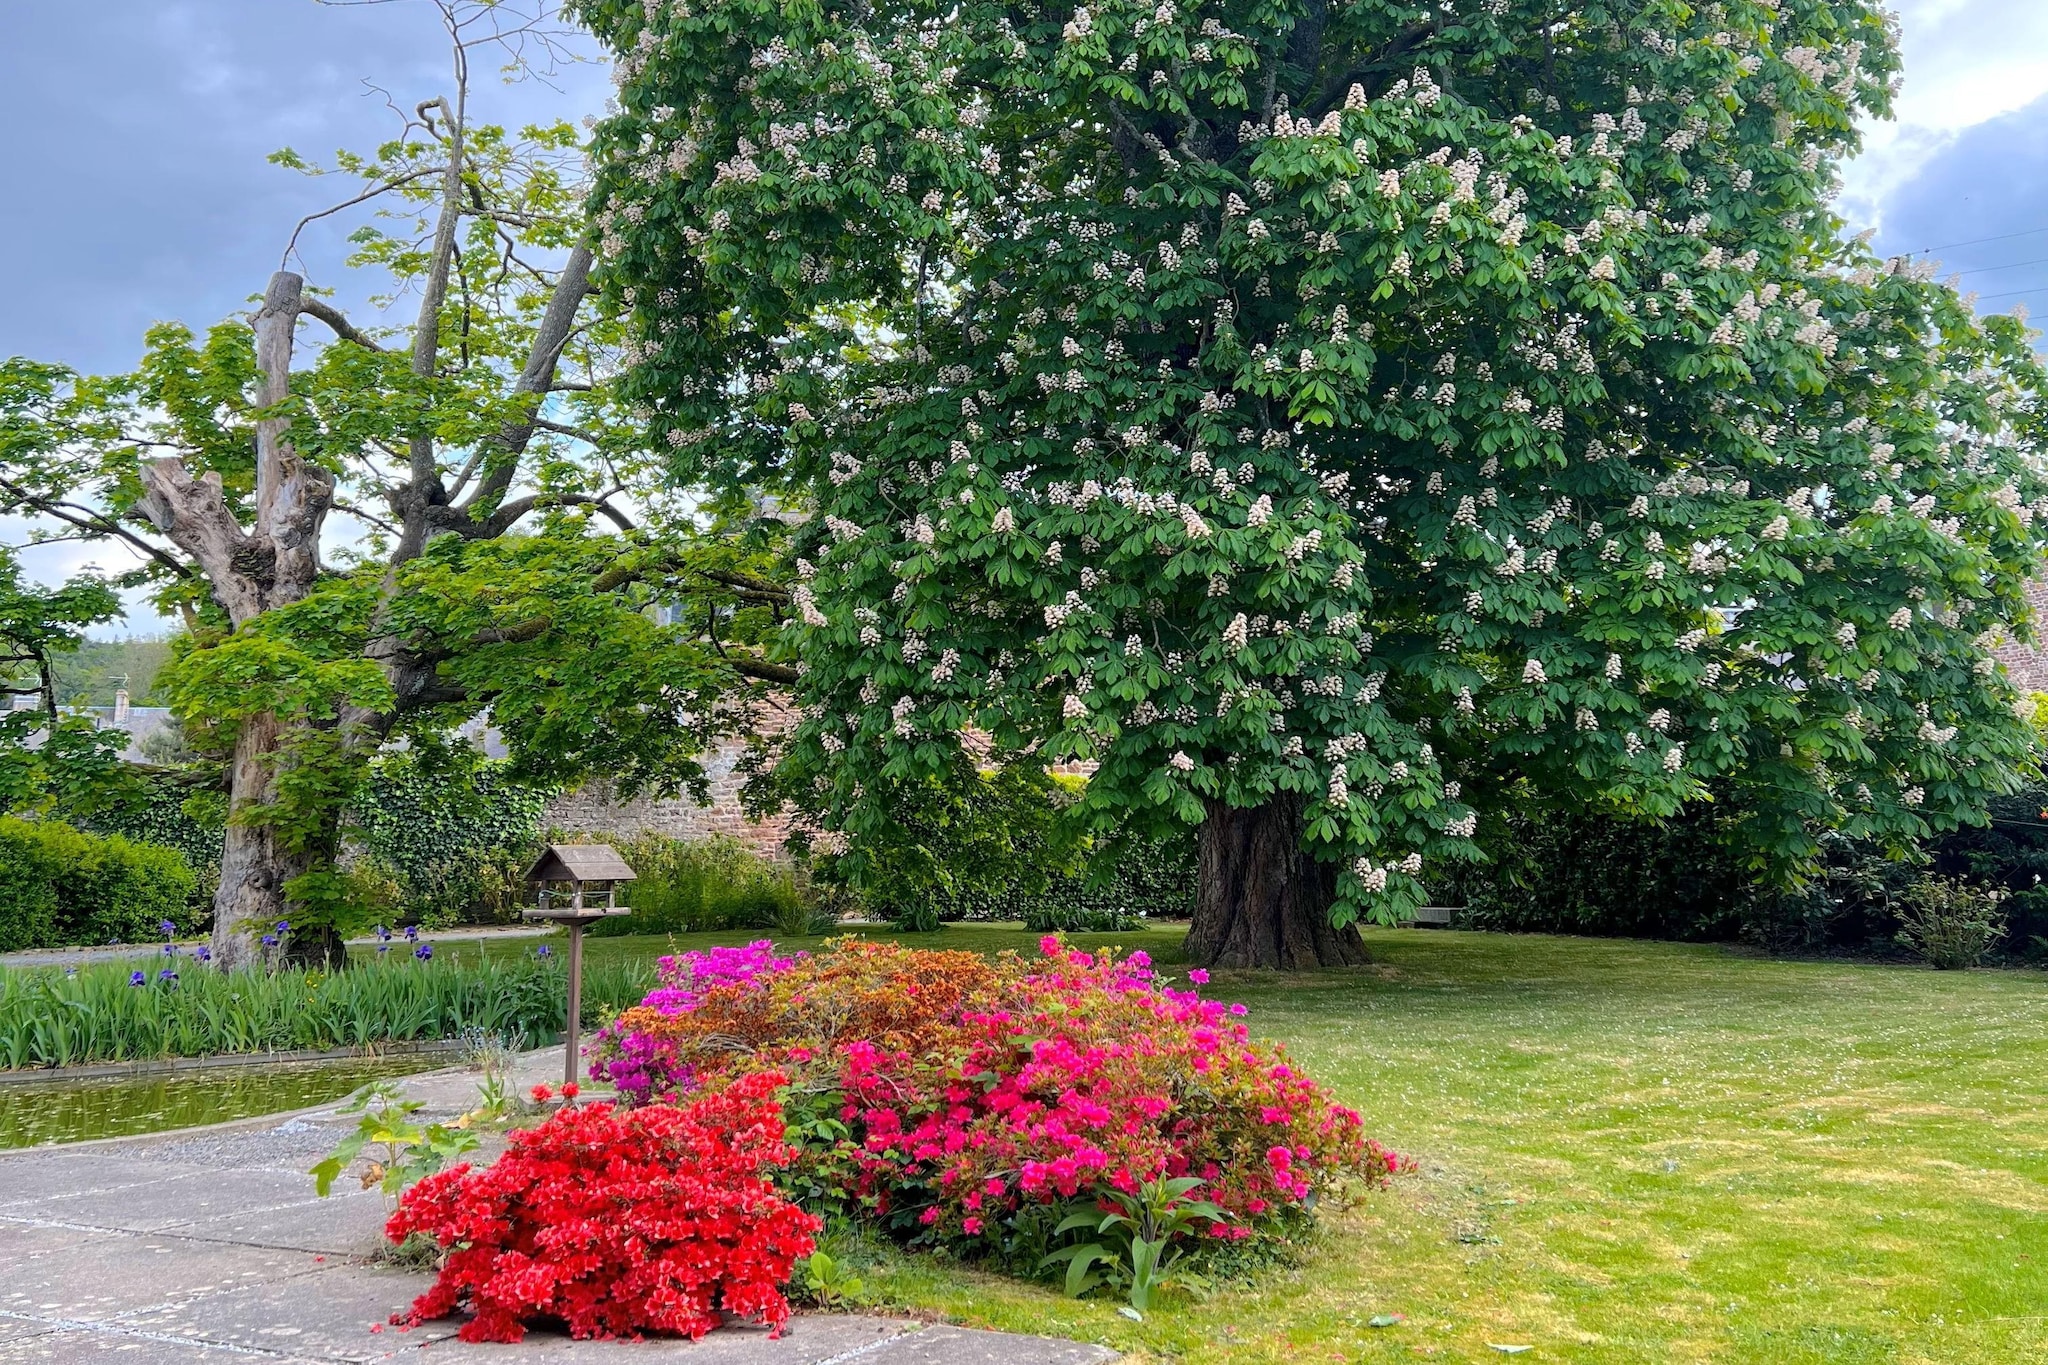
(955, 1098)
(1072, 1111)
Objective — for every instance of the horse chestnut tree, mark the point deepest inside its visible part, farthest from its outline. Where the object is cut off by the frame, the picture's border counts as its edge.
(1316, 413)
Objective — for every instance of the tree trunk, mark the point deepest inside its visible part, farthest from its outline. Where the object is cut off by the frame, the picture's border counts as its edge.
(272, 564)
(1262, 901)
(253, 869)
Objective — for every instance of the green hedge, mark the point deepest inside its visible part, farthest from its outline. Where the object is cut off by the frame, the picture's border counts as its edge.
(62, 886)
(1150, 879)
(174, 813)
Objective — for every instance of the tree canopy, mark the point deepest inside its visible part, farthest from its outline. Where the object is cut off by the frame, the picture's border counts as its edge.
(1345, 404)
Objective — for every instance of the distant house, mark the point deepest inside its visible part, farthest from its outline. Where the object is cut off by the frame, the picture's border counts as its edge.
(139, 721)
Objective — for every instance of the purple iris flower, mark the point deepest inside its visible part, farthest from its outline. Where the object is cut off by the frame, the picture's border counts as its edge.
(544, 951)
(412, 933)
(168, 977)
(170, 950)
(284, 926)
(383, 934)
(168, 929)
(425, 952)
(203, 953)
(137, 978)
(268, 940)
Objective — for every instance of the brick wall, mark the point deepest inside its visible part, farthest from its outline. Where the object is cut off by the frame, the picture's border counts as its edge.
(2024, 664)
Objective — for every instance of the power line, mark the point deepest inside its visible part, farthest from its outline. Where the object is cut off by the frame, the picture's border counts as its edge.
(1978, 241)
(2013, 265)
(2008, 293)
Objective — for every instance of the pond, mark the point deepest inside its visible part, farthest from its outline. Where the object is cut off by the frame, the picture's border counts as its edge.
(33, 1112)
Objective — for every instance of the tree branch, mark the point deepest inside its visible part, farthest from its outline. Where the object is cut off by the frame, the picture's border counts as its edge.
(292, 245)
(341, 326)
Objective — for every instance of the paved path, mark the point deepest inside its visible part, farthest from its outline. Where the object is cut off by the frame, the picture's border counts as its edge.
(208, 1247)
(122, 952)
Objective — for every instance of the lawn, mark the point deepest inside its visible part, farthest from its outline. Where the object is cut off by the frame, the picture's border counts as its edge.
(1631, 1152)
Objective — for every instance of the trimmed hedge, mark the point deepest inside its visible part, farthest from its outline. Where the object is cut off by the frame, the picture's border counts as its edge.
(1113, 890)
(61, 886)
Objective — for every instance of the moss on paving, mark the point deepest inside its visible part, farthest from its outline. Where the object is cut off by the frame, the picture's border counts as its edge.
(1631, 1152)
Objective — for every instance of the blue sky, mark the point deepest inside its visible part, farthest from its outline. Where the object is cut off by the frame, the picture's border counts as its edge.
(140, 191)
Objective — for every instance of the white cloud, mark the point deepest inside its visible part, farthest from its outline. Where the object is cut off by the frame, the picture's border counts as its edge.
(1967, 61)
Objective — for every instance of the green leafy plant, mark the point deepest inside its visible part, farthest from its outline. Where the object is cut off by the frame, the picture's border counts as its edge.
(49, 1017)
(1948, 923)
(1134, 1243)
(831, 1284)
(61, 886)
(400, 1151)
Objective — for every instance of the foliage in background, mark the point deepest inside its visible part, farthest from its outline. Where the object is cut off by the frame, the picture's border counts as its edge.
(100, 1014)
(454, 828)
(39, 626)
(60, 886)
(98, 668)
(999, 845)
(185, 810)
(952, 841)
(688, 885)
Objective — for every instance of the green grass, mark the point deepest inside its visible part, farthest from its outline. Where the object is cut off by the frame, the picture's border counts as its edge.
(1631, 1152)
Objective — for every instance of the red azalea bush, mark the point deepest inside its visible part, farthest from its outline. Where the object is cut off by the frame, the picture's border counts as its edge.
(957, 1098)
(619, 1222)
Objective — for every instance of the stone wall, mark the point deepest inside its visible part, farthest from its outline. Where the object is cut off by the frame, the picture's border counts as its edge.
(595, 808)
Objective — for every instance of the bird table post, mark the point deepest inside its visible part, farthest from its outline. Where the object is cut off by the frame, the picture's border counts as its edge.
(576, 864)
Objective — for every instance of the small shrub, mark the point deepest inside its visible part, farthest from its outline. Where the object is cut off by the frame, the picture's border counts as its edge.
(1948, 923)
(618, 1222)
(689, 886)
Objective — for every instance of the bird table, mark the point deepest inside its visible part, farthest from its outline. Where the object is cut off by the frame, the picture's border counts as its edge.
(583, 867)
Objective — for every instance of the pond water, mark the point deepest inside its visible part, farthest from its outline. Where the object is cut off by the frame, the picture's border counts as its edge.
(33, 1112)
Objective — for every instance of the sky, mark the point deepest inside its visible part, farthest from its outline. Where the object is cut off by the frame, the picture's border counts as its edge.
(139, 189)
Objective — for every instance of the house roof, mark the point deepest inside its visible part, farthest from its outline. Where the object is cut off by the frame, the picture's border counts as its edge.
(580, 863)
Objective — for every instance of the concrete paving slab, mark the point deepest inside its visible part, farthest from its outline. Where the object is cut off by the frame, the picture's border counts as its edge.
(809, 1341)
(59, 1273)
(102, 1348)
(12, 1329)
(34, 1175)
(166, 1203)
(339, 1225)
(941, 1345)
(329, 1315)
(291, 1146)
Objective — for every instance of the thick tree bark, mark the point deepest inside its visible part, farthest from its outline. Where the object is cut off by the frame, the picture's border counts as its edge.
(1262, 901)
(253, 867)
(271, 564)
